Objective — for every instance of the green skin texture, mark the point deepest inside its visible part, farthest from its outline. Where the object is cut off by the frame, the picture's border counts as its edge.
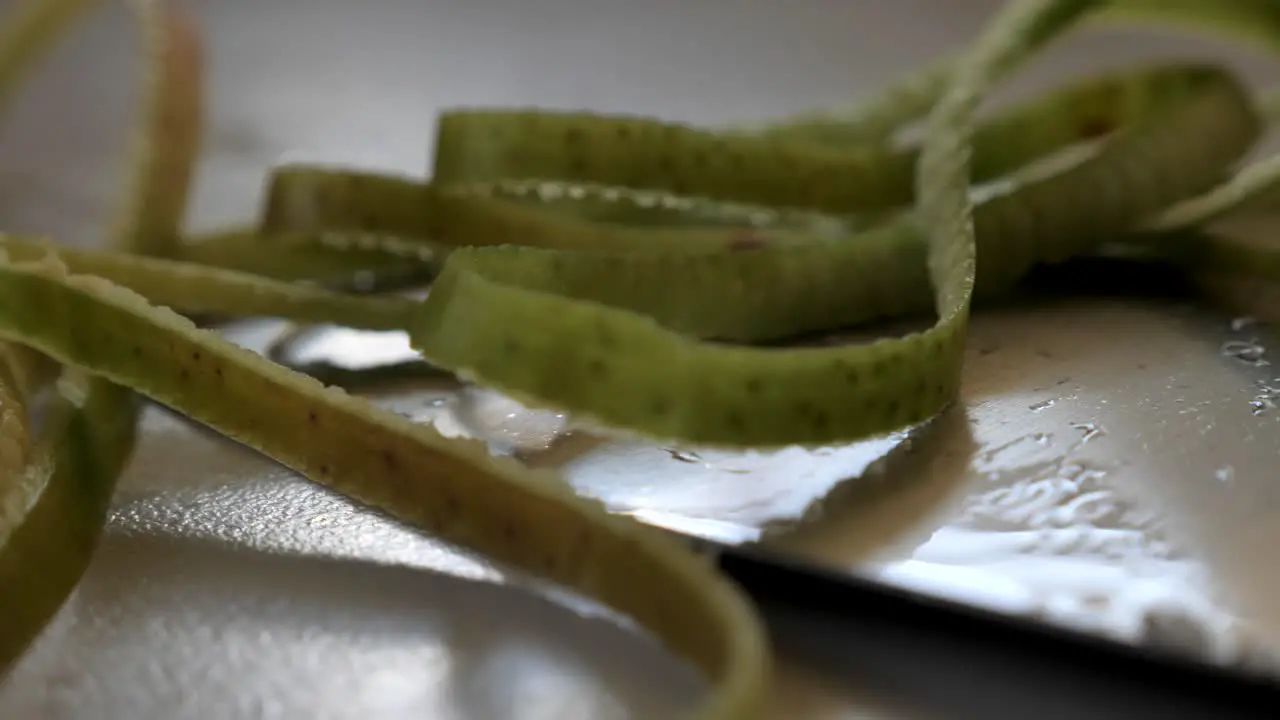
(72, 476)
(911, 97)
(456, 490)
(453, 489)
(88, 437)
(608, 305)
(505, 316)
(334, 260)
(192, 288)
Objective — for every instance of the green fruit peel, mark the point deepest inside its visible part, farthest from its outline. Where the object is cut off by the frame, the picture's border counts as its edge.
(638, 274)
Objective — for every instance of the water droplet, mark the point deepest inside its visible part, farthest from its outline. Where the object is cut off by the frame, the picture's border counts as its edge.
(1091, 431)
(684, 456)
(506, 425)
(1224, 474)
(1242, 323)
(1250, 351)
(1042, 405)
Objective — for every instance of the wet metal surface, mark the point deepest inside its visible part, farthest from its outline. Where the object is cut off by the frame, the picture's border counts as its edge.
(1111, 466)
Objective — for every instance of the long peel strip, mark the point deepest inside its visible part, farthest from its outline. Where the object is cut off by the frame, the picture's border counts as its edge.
(55, 504)
(453, 489)
(497, 507)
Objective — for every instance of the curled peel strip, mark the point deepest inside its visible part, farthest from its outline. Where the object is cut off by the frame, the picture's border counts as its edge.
(616, 337)
(456, 490)
(54, 496)
(453, 489)
(910, 98)
(620, 314)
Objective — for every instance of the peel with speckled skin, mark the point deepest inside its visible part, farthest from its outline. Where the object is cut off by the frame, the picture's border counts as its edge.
(615, 335)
